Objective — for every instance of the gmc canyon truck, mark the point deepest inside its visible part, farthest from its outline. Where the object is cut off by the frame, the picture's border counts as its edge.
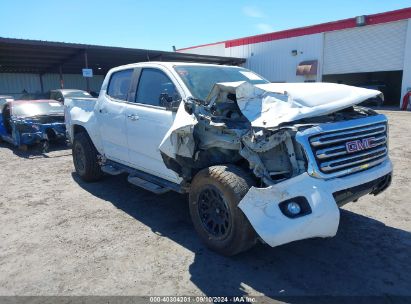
(259, 160)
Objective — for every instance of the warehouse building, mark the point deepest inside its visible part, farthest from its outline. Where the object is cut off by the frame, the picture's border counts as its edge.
(372, 51)
(39, 66)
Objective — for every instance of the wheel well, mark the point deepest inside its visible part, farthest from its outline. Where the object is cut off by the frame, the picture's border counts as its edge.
(79, 129)
(51, 134)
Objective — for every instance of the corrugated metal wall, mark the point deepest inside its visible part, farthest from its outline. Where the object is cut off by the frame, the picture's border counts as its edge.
(373, 48)
(213, 50)
(406, 80)
(15, 83)
(274, 59)
(365, 49)
(72, 81)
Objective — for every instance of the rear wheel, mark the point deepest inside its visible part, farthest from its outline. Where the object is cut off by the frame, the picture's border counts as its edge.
(214, 196)
(85, 158)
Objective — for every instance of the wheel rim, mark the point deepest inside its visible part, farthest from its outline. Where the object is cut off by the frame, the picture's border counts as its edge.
(214, 212)
(79, 158)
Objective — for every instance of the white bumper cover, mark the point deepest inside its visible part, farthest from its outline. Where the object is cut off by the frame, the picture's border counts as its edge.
(261, 205)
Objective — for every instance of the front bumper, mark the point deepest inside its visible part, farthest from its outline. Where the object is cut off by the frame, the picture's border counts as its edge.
(37, 137)
(261, 205)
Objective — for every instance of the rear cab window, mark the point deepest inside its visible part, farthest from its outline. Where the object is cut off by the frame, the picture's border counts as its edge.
(119, 84)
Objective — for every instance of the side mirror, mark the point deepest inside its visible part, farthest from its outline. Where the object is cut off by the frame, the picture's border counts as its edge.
(168, 102)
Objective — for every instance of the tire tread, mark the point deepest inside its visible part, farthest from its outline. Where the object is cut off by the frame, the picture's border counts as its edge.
(93, 170)
(238, 183)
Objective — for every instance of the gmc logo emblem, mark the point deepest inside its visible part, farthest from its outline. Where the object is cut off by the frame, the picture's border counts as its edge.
(359, 145)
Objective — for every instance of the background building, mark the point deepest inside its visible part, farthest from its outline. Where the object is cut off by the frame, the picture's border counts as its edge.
(371, 51)
(39, 66)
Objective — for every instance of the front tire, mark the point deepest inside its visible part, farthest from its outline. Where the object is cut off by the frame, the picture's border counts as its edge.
(214, 196)
(85, 158)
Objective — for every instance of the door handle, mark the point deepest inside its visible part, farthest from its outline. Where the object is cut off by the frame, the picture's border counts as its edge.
(133, 117)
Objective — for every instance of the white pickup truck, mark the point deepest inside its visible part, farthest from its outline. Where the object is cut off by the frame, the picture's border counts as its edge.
(260, 161)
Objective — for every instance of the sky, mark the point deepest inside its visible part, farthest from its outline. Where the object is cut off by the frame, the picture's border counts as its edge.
(160, 24)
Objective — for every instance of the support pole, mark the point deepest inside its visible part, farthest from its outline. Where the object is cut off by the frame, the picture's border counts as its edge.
(41, 83)
(87, 78)
(61, 78)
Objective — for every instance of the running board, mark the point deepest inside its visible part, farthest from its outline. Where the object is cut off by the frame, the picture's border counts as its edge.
(111, 170)
(157, 189)
(142, 179)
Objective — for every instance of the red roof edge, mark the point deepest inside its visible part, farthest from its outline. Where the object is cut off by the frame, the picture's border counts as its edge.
(379, 18)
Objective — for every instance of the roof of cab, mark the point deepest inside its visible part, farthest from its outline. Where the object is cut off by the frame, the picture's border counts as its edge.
(168, 64)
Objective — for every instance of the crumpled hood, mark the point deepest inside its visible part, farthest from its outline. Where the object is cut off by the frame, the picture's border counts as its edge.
(269, 105)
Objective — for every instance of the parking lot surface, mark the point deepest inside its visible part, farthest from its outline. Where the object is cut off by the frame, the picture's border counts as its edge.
(61, 236)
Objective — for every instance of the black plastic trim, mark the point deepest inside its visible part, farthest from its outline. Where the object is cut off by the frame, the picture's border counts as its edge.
(302, 201)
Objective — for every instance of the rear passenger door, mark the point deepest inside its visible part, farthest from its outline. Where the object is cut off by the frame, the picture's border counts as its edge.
(111, 116)
(148, 120)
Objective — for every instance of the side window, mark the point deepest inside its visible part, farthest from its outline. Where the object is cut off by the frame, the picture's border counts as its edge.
(152, 84)
(53, 95)
(119, 84)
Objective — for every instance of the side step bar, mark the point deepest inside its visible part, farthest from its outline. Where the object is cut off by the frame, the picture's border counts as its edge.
(109, 169)
(157, 189)
(141, 179)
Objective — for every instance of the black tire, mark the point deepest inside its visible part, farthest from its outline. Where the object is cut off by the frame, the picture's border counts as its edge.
(85, 158)
(225, 230)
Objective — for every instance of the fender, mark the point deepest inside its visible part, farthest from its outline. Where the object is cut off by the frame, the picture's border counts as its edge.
(80, 112)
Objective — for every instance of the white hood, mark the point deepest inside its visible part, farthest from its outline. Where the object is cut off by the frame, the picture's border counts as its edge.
(269, 105)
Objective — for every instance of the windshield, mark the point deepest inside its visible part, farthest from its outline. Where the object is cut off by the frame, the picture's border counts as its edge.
(31, 109)
(77, 94)
(201, 79)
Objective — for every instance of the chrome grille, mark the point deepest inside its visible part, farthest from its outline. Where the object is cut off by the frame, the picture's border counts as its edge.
(329, 156)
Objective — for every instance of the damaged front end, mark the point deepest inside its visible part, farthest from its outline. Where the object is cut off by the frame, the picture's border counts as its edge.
(292, 139)
(35, 130)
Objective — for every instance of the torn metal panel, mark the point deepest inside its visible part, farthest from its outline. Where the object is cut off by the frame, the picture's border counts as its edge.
(261, 206)
(179, 140)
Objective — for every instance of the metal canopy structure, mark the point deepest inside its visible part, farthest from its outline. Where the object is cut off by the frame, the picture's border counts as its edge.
(41, 57)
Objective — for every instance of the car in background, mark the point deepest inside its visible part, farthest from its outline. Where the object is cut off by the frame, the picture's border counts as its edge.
(94, 94)
(25, 123)
(4, 99)
(61, 94)
(34, 96)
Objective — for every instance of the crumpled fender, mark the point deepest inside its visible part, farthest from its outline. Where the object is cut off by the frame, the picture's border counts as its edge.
(179, 139)
(260, 205)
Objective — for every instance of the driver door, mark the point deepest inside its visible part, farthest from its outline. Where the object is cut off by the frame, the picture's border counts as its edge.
(148, 120)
